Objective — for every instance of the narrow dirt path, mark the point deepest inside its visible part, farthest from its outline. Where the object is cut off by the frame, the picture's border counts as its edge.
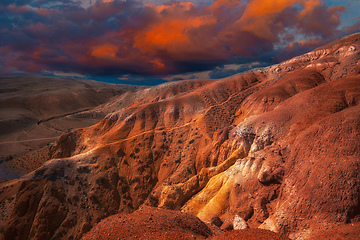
(62, 115)
(29, 140)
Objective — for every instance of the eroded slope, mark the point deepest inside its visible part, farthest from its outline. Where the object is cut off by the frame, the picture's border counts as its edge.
(277, 147)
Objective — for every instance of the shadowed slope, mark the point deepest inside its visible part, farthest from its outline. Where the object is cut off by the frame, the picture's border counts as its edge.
(35, 110)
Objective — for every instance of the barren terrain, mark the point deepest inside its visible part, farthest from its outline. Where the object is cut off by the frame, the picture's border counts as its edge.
(36, 110)
(274, 149)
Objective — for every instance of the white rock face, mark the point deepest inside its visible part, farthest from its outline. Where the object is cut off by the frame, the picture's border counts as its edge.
(239, 223)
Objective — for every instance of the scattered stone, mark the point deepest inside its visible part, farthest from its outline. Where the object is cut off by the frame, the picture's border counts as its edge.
(239, 223)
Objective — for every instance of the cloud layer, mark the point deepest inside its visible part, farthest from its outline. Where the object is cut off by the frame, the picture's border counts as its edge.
(116, 37)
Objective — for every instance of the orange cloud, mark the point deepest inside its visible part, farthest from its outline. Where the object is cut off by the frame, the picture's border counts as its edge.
(309, 6)
(261, 8)
(260, 16)
(158, 65)
(171, 33)
(164, 33)
(182, 6)
(105, 51)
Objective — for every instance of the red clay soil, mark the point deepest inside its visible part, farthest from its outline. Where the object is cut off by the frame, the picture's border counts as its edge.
(348, 232)
(250, 234)
(156, 223)
(150, 223)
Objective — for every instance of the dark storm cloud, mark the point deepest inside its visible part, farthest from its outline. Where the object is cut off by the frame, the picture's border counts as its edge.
(127, 37)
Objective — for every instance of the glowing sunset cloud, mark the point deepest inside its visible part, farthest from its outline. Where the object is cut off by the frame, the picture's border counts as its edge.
(309, 5)
(169, 33)
(105, 51)
(118, 37)
(260, 8)
(158, 65)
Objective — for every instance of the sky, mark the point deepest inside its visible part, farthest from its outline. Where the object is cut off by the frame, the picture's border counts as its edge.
(148, 42)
